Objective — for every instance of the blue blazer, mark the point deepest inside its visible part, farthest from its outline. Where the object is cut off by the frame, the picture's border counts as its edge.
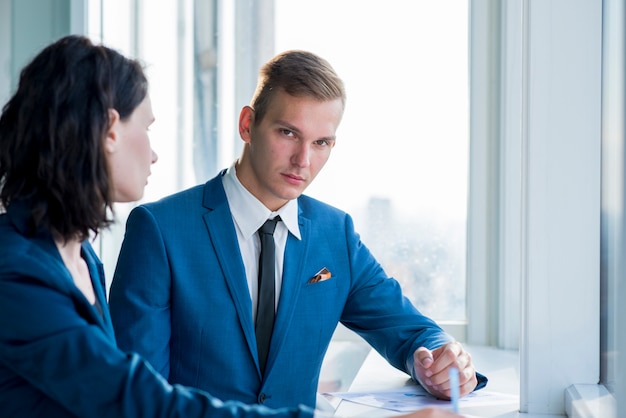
(58, 356)
(180, 298)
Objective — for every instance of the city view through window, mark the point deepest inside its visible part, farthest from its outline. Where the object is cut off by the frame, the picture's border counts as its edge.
(401, 160)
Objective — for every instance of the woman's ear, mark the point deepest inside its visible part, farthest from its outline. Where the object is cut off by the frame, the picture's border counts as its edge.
(112, 137)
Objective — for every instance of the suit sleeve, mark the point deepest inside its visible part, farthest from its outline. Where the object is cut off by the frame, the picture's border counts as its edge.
(139, 298)
(53, 359)
(377, 309)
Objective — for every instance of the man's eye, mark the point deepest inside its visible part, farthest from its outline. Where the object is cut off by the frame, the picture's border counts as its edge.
(287, 132)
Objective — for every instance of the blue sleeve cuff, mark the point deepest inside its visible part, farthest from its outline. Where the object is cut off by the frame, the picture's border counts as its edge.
(482, 381)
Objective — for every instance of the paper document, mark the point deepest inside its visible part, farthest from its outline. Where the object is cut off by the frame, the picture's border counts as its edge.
(412, 398)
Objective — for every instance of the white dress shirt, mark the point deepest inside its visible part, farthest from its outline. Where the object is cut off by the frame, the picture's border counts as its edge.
(249, 214)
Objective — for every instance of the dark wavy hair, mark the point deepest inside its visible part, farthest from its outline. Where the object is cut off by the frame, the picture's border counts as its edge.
(52, 134)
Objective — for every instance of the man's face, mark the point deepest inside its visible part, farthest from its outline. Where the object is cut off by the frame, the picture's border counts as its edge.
(288, 148)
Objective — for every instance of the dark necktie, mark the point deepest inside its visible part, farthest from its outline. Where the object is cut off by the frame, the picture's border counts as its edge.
(266, 304)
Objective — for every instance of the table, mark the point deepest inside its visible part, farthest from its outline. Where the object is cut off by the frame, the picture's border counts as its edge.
(373, 373)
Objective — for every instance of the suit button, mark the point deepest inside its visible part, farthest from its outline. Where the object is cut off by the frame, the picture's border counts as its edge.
(262, 398)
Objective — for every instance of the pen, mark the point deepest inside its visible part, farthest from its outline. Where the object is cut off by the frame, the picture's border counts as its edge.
(454, 388)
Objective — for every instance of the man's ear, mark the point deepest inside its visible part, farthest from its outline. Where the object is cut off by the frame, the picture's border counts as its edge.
(246, 119)
(112, 137)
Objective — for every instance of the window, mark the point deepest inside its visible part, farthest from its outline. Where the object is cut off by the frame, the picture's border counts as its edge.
(401, 159)
(400, 166)
(5, 51)
(162, 38)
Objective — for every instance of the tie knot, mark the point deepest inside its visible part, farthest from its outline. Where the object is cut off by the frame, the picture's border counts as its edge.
(269, 226)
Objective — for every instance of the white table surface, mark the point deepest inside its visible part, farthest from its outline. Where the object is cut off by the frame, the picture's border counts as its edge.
(354, 367)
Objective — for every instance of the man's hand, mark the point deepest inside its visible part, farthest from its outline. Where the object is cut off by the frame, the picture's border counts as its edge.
(431, 368)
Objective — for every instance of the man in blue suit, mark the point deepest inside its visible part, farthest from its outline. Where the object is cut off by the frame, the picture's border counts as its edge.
(186, 289)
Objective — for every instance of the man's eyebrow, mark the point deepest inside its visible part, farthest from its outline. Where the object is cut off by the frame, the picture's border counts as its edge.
(289, 126)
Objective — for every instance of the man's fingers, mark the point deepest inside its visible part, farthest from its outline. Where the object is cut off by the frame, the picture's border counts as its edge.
(424, 357)
(432, 369)
(446, 356)
(469, 380)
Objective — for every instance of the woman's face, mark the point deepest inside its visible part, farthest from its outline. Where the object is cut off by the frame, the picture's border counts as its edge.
(129, 153)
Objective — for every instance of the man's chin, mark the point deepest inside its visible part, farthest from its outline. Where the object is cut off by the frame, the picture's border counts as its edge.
(293, 194)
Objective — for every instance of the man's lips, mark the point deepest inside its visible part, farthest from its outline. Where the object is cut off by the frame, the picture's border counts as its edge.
(293, 178)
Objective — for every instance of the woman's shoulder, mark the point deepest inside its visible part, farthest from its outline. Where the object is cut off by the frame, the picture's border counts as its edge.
(22, 252)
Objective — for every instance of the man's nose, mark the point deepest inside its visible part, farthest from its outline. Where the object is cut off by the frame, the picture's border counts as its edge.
(301, 157)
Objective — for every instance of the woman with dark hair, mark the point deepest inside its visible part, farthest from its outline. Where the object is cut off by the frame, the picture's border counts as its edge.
(73, 140)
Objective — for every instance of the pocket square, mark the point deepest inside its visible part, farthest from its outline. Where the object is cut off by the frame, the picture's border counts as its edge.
(320, 276)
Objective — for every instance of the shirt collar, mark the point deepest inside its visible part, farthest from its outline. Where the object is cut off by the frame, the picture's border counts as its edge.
(249, 213)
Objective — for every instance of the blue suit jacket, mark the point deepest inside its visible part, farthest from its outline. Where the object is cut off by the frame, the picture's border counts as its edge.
(58, 356)
(180, 298)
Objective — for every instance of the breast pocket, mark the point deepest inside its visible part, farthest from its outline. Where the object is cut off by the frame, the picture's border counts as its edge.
(329, 285)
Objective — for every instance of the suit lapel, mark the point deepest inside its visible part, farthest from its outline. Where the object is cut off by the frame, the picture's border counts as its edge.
(221, 230)
(96, 271)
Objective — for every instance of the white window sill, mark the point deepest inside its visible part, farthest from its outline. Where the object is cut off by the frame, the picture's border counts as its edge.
(589, 401)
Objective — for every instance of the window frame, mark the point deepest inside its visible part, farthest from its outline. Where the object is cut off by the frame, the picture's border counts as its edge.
(6, 30)
(543, 58)
(250, 52)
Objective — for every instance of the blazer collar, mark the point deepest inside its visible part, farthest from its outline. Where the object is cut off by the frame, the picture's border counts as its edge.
(249, 213)
(19, 212)
(19, 215)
